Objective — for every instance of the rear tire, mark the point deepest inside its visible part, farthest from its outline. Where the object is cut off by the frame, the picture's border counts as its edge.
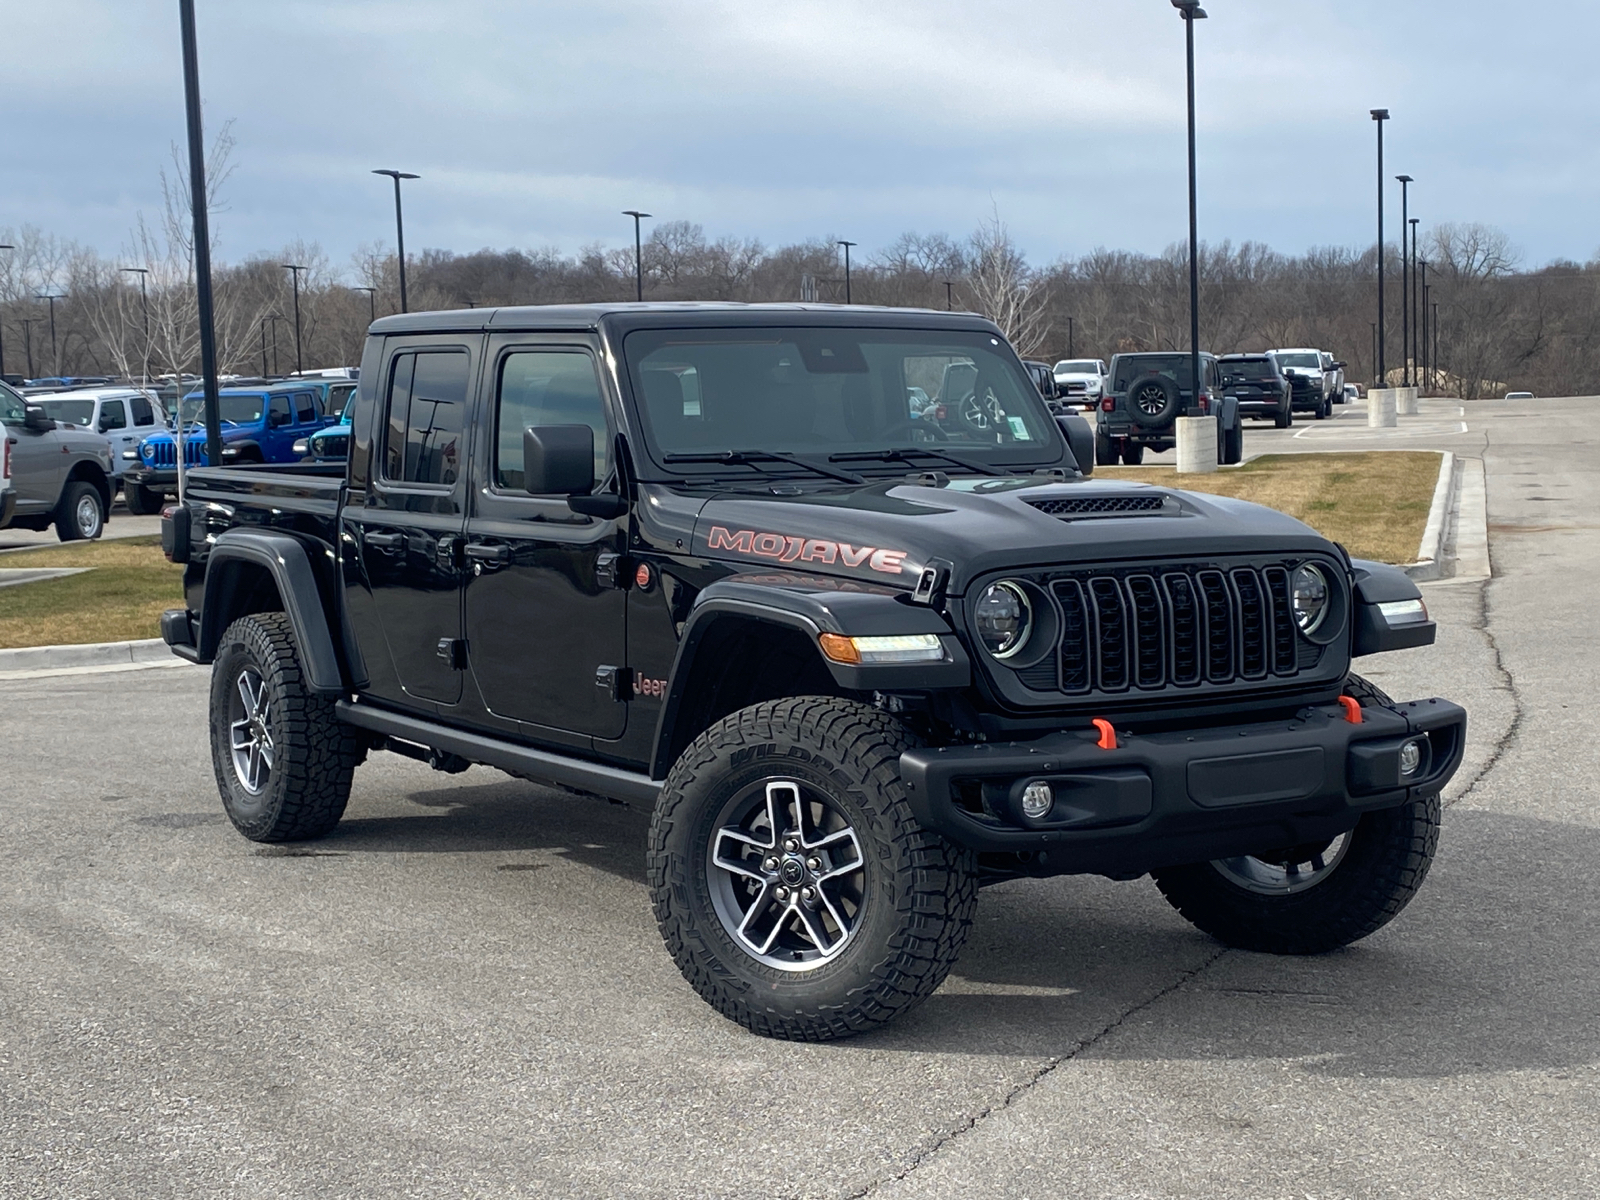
(1233, 444)
(80, 513)
(1284, 419)
(283, 761)
(793, 887)
(1132, 453)
(1105, 454)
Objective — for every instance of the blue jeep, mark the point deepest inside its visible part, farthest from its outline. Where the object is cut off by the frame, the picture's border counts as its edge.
(332, 442)
(259, 425)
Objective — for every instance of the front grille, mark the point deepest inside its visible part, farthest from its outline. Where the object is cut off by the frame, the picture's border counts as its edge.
(1082, 505)
(162, 454)
(1172, 625)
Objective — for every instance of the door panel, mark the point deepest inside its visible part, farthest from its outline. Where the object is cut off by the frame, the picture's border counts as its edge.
(407, 526)
(540, 619)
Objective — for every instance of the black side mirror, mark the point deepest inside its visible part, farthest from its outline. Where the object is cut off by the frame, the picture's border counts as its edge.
(1080, 440)
(1338, 366)
(558, 460)
(33, 418)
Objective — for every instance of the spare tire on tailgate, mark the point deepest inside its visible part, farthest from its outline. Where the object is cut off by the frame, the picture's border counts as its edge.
(1153, 400)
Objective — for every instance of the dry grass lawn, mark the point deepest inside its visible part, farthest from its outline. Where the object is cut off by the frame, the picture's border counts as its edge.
(120, 600)
(1376, 504)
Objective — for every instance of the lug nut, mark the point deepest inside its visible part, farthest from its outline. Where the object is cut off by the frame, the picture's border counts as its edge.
(769, 864)
(808, 894)
(813, 864)
(783, 893)
(791, 845)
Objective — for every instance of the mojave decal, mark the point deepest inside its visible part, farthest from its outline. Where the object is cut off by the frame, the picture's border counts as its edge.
(790, 549)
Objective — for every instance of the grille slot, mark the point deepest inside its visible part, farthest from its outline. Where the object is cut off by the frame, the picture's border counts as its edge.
(1134, 630)
(1092, 505)
(163, 454)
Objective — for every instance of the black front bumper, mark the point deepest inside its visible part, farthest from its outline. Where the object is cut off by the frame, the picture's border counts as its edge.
(1165, 799)
(154, 478)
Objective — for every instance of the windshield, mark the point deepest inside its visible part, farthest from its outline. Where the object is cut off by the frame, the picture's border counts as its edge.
(829, 392)
(1249, 368)
(1300, 360)
(75, 412)
(1078, 367)
(238, 410)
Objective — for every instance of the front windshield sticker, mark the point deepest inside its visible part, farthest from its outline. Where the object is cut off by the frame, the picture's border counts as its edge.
(787, 548)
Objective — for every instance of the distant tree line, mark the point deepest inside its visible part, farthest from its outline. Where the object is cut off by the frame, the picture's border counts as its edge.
(1499, 325)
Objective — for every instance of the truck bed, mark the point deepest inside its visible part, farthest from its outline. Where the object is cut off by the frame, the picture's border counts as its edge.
(298, 498)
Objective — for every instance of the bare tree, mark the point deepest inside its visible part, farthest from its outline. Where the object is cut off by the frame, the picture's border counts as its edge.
(1005, 289)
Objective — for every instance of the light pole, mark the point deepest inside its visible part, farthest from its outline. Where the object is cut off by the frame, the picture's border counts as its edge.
(847, 246)
(294, 273)
(1380, 115)
(55, 354)
(144, 303)
(1191, 12)
(1405, 297)
(372, 301)
(3, 246)
(1071, 340)
(1416, 295)
(1435, 359)
(199, 197)
(949, 296)
(273, 319)
(399, 235)
(1425, 289)
(638, 252)
(1374, 325)
(27, 324)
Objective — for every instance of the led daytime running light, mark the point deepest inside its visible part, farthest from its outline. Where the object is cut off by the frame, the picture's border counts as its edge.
(875, 651)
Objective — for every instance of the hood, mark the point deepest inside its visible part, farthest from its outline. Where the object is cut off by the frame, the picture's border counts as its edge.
(888, 531)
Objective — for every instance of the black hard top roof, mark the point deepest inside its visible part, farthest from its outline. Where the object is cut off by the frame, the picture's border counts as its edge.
(672, 314)
(1245, 355)
(252, 389)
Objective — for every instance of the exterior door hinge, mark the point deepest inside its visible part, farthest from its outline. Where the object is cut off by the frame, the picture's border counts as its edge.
(454, 652)
(616, 682)
(611, 569)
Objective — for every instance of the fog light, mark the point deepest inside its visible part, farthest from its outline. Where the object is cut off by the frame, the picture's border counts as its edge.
(1410, 759)
(1037, 800)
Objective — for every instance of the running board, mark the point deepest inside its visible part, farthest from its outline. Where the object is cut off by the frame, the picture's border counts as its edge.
(540, 765)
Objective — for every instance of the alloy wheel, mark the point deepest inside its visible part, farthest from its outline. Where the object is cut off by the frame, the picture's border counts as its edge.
(250, 732)
(1284, 872)
(787, 875)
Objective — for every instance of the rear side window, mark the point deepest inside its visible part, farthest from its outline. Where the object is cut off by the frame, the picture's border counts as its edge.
(306, 404)
(338, 397)
(426, 410)
(143, 414)
(278, 413)
(112, 415)
(546, 387)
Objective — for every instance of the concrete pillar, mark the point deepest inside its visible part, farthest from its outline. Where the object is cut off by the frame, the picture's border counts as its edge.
(1406, 401)
(1197, 445)
(1381, 408)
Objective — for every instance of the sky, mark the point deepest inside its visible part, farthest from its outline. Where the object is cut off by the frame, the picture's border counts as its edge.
(533, 124)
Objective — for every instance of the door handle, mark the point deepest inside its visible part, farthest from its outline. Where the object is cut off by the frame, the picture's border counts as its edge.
(484, 553)
(385, 541)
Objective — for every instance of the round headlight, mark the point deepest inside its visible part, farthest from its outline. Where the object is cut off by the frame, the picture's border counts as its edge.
(1003, 617)
(1310, 599)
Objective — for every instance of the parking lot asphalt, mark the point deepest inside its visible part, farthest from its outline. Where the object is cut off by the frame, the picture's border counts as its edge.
(120, 524)
(461, 992)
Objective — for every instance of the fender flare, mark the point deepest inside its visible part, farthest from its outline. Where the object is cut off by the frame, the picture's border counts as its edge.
(860, 614)
(285, 559)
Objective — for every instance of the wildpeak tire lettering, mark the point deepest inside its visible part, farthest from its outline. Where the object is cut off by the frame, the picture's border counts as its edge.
(788, 549)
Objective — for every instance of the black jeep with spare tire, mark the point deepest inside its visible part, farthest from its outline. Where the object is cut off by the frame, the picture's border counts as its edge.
(858, 659)
(1144, 398)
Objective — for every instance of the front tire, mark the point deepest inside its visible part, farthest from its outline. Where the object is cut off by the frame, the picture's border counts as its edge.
(792, 885)
(1105, 454)
(1132, 453)
(80, 513)
(283, 761)
(1311, 899)
(141, 501)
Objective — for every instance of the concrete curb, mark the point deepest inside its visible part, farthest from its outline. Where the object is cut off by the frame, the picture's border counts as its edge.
(1432, 561)
(95, 654)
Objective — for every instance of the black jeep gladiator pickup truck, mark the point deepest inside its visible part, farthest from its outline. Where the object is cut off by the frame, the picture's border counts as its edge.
(827, 589)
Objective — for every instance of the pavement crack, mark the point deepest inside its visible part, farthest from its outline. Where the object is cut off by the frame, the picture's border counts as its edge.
(1039, 1074)
(1484, 624)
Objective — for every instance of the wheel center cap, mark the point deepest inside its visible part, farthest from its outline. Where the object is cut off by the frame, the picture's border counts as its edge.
(792, 871)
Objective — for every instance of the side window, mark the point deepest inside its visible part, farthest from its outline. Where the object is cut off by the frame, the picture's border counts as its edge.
(278, 413)
(112, 415)
(338, 397)
(306, 403)
(143, 414)
(546, 387)
(426, 411)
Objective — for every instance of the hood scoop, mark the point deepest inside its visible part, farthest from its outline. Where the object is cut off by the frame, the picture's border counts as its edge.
(1142, 504)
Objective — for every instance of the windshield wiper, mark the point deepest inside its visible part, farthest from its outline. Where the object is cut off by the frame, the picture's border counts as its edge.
(751, 457)
(906, 453)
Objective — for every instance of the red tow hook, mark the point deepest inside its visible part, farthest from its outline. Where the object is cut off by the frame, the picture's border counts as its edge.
(1108, 735)
(1352, 709)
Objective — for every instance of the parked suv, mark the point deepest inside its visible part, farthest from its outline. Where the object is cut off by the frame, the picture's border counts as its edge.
(1311, 379)
(1081, 380)
(125, 415)
(259, 424)
(1261, 389)
(61, 474)
(1147, 394)
(853, 664)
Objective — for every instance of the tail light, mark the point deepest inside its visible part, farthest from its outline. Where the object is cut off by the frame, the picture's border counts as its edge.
(1107, 403)
(939, 412)
(1205, 403)
(6, 442)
